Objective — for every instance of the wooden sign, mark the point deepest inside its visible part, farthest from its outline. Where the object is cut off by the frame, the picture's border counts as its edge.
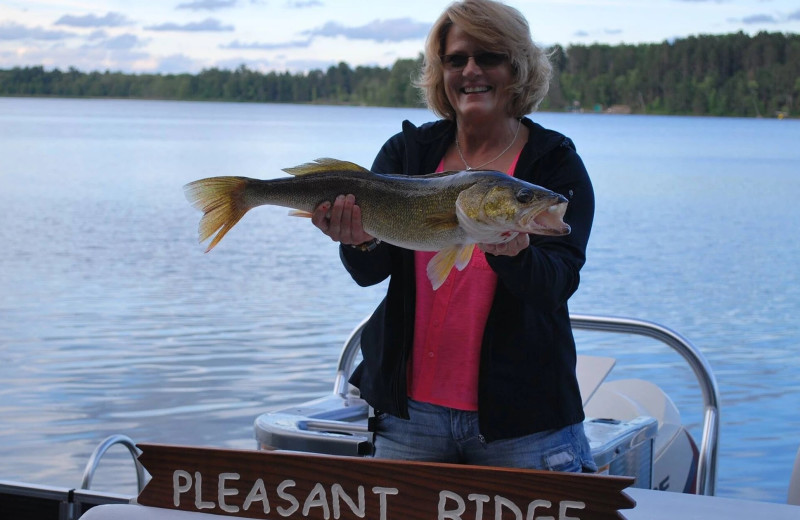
(280, 485)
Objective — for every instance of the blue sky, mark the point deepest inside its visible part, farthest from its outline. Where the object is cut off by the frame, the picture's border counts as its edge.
(172, 36)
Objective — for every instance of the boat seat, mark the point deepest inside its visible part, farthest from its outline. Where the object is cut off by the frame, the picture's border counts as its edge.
(591, 372)
(627, 399)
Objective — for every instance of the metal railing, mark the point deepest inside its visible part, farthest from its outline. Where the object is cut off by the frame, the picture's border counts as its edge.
(707, 463)
(102, 448)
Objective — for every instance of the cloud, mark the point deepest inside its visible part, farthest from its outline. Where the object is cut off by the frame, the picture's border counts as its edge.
(235, 63)
(303, 4)
(759, 18)
(178, 64)
(97, 35)
(109, 20)
(123, 42)
(237, 45)
(15, 31)
(764, 19)
(82, 58)
(207, 5)
(380, 31)
(395, 30)
(207, 25)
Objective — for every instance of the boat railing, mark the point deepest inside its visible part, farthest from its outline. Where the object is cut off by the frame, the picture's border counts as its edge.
(102, 448)
(707, 463)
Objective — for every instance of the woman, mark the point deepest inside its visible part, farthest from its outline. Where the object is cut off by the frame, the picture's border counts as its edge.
(482, 370)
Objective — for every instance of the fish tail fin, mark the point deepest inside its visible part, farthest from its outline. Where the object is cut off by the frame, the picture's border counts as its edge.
(222, 201)
(442, 263)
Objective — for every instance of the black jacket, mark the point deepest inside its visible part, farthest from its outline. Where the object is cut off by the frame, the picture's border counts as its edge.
(527, 379)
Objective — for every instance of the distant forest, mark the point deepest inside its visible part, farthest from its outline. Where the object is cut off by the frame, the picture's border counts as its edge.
(727, 75)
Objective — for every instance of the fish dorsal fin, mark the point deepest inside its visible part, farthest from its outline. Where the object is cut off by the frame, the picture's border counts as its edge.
(442, 263)
(437, 174)
(324, 165)
(442, 221)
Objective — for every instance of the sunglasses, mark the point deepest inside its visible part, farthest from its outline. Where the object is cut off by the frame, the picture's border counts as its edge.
(484, 60)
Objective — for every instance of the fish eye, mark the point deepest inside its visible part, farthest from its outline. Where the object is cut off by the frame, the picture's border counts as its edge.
(525, 195)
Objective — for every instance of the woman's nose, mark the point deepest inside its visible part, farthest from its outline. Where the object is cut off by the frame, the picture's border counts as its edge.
(471, 67)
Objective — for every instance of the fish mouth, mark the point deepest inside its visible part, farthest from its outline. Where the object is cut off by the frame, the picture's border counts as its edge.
(547, 222)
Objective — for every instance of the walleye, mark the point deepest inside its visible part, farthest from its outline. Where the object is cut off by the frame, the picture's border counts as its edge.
(447, 212)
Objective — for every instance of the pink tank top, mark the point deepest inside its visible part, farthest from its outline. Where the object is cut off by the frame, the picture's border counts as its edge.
(448, 330)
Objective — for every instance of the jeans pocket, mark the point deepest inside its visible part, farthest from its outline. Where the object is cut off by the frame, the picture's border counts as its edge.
(563, 458)
(376, 422)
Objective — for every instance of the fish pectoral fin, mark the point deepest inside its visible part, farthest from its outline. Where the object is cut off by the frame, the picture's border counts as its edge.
(325, 165)
(463, 256)
(300, 213)
(442, 221)
(442, 263)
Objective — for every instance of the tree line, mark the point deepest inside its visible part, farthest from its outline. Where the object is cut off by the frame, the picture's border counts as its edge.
(723, 75)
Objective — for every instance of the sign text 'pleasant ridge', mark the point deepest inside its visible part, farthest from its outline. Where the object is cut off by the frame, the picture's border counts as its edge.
(259, 484)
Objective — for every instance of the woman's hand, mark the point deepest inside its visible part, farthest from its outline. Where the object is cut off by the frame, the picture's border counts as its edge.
(341, 221)
(511, 248)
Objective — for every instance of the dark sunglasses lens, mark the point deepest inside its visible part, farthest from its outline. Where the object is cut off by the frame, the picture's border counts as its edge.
(455, 61)
(490, 59)
(484, 59)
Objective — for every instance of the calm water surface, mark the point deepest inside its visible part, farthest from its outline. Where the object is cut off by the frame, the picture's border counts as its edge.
(112, 320)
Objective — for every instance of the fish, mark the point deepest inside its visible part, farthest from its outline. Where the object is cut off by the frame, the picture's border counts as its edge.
(448, 212)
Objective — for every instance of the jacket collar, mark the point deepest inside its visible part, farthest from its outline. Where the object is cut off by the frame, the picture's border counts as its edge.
(432, 139)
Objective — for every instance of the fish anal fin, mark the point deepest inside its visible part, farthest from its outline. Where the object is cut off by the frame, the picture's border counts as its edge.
(300, 213)
(325, 165)
(442, 221)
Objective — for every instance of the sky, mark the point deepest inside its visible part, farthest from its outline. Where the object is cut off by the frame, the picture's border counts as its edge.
(177, 36)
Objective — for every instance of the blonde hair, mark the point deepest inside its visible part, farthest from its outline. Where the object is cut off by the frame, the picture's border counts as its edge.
(499, 28)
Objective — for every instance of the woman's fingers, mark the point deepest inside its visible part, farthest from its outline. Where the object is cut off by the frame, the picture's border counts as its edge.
(341, 220)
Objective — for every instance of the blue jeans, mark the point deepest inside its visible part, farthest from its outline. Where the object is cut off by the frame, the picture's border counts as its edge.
(439, 434)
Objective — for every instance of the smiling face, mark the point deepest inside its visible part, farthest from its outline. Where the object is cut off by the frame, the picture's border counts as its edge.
(476, 93)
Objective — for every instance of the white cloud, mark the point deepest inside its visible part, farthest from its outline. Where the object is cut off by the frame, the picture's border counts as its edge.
(303, 4)
(759, 19)
(109, 20)
(237, 45)
(207, 25)
(395, 30)
(123, 42)
(15, 31)
(207, 5)
(177, 64)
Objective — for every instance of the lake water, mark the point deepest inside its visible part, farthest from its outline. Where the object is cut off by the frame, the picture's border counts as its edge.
(112, 320)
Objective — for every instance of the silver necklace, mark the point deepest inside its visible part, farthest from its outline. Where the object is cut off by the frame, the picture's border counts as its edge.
(458, 148)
